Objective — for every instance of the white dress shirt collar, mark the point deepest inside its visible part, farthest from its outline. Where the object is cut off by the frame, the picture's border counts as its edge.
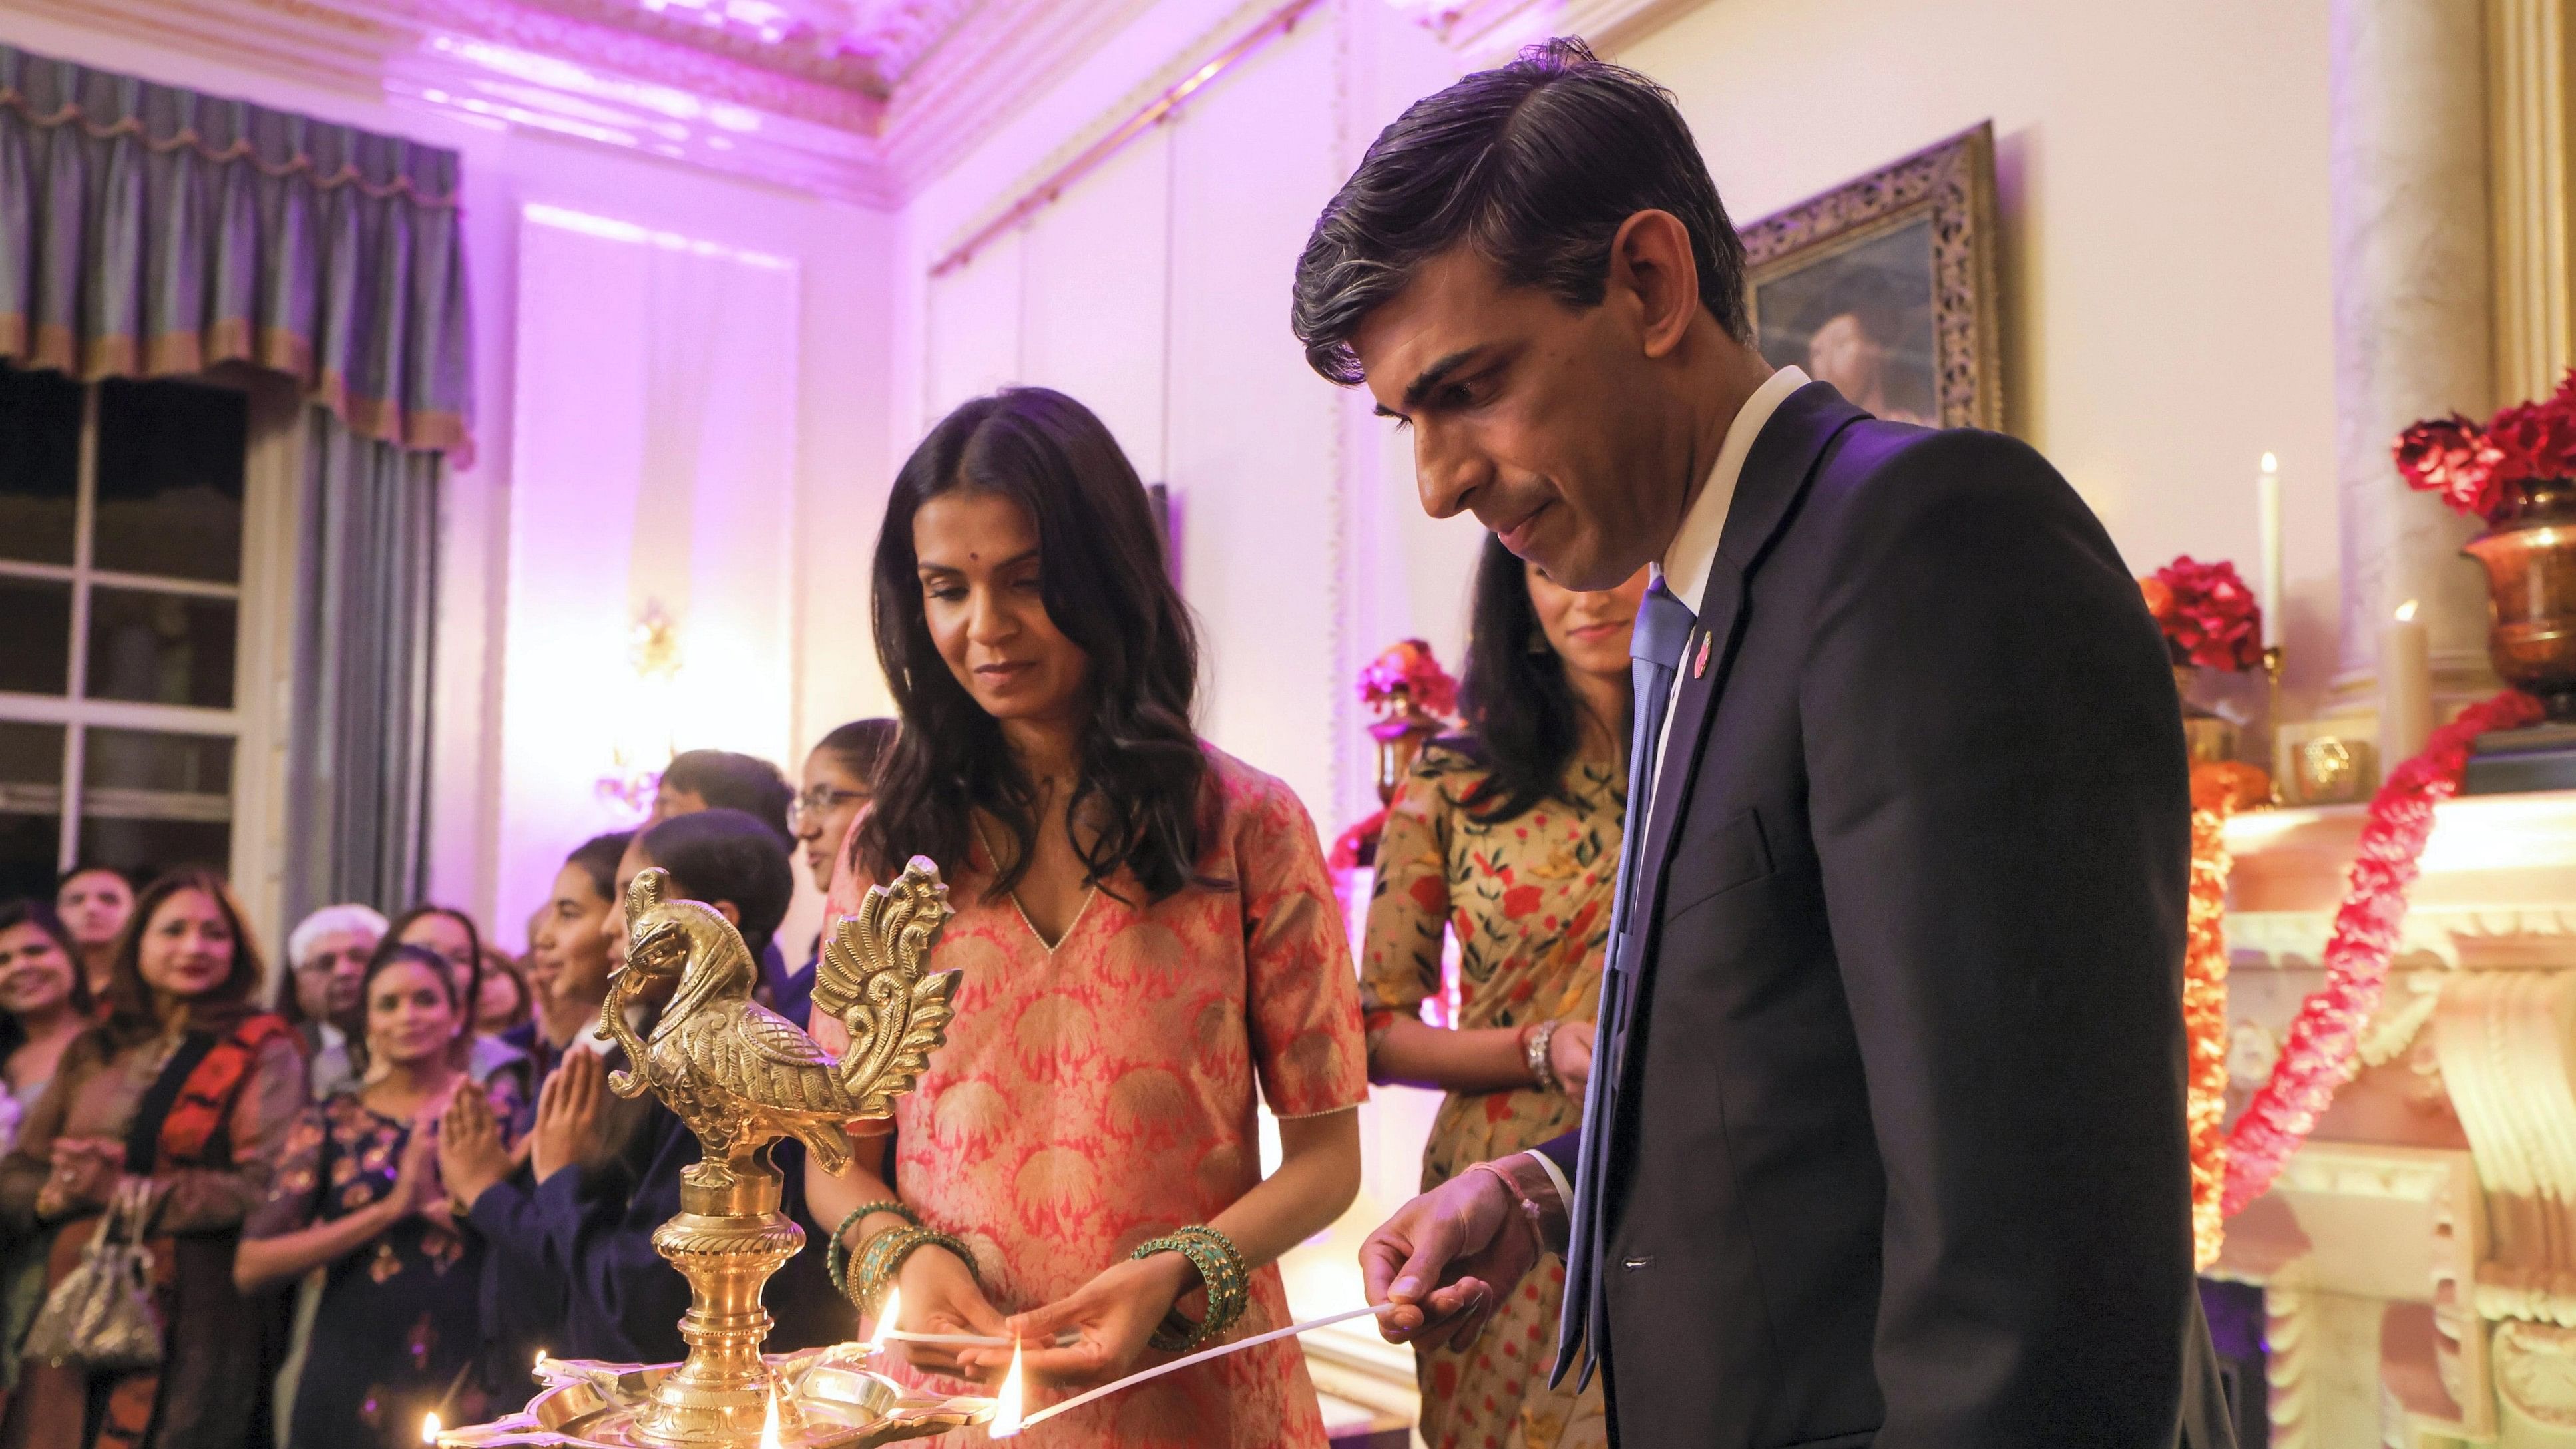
(1693, 554)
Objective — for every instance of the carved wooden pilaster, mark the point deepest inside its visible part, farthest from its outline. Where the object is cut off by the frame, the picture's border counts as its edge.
(2503, 1039)
(2287, 1373)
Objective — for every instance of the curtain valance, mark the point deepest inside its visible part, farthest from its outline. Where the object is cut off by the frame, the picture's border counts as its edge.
(147, 231)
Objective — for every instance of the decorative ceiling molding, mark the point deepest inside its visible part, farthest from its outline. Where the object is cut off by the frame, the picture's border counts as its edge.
(1143, 109)
(856, 100)
(1489, 32)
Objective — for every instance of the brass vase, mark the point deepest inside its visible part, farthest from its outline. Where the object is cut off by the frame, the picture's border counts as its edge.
(2210, 736)
(2530, 559)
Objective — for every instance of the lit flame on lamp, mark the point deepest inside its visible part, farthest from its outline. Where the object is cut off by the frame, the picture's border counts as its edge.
(2406, 612)
(769, 1424)
(886, 1317)
(1006, 1403)
(429, 1428)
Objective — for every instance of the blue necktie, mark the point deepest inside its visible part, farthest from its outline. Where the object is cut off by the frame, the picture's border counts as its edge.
(1663, 633)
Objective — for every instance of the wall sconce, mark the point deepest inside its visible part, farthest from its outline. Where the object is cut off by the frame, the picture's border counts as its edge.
(643, 742)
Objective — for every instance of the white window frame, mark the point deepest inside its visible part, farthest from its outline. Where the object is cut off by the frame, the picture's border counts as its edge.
(263, 651)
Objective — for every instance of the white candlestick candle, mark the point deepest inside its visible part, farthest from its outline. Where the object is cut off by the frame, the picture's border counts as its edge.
(2405, 689)
(2267, 501)
(1178, 1364)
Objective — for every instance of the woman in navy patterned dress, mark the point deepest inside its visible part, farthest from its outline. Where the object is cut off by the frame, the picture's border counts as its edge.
(395, 1335)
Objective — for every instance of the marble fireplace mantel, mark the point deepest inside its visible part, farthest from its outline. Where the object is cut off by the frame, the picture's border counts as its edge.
(2417, 1259)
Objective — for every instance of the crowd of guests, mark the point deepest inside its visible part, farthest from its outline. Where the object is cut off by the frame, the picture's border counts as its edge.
(378, 1184)
(374, 1183)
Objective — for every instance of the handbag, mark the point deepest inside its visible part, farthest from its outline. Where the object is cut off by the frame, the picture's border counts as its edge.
(100, 1316)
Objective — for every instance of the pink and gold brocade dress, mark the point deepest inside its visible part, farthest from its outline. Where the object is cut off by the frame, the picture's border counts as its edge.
(1101, 1093)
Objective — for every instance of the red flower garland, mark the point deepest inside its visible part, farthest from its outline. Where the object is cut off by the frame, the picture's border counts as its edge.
(2324, 1038)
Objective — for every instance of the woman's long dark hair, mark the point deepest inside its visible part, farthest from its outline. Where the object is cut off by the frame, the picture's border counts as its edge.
(1145, 784)
(1523, 720)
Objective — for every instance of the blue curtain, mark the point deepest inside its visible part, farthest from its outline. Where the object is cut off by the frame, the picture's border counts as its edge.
(357, 792)
(148, 231)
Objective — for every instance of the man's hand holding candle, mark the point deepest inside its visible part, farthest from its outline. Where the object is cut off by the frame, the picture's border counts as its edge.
(1448, 1258)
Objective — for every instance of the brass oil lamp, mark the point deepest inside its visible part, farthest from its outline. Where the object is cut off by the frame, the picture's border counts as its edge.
(741, 1077)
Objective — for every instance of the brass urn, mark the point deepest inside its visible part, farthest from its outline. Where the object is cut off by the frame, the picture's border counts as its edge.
(2530, 558)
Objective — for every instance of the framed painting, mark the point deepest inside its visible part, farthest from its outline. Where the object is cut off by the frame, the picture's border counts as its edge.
(1886, 287)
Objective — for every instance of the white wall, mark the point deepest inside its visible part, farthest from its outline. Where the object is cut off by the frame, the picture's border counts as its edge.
(2166, 294)
(1155, 289)
(841, 255)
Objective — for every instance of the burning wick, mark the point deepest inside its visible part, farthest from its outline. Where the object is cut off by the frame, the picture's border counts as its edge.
(886, 1317)
(429, 1428)
(769, 1425)
(1006, 1403)
(2406, 612)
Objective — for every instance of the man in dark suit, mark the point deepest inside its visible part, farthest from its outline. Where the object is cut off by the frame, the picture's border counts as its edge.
(1884, 1143)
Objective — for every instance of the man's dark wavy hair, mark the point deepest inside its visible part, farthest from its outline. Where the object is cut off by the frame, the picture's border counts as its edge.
(1145, 782)
(1536, 165)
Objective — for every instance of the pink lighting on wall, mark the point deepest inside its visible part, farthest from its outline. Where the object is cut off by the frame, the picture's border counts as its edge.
(652, 502)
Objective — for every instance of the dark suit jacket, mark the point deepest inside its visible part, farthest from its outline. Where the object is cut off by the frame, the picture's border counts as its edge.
(1899, 1157)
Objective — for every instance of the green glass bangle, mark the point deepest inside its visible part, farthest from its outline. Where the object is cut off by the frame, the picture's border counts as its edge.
(882, 1257)
(836, 1259)
(1221, 1270)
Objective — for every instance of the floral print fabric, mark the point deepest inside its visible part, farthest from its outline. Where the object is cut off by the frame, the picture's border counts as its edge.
(397, 1326)
(1528, 899)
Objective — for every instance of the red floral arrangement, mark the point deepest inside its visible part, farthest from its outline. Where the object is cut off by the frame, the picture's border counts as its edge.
(2209, 616)
(1402, 687)
(2476, 469)
(1408, 672)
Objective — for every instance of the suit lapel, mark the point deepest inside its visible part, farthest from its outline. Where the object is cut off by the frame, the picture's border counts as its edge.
(1775, 474)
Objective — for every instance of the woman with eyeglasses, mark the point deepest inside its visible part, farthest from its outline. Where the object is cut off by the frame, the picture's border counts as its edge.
(840, 776)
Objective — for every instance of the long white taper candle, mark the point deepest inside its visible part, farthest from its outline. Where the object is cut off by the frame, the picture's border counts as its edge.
(1203, 1355)
(2267, 503)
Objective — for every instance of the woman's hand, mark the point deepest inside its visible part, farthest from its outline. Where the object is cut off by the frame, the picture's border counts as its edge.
(1569, 1052)
(1113, 1315)
(471, 1159)
(86, 1170)
(569, 1108)
(415, 1175)
(940, 1295)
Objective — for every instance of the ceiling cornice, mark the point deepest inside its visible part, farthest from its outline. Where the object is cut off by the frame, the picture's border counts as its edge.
(613, 73)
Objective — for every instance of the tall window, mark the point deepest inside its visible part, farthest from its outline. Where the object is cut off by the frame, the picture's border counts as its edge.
(122, 509)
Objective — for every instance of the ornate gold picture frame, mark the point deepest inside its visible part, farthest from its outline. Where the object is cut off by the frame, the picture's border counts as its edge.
(1886, 286)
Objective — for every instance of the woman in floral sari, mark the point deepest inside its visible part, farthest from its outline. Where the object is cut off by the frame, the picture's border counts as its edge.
(1508, 836)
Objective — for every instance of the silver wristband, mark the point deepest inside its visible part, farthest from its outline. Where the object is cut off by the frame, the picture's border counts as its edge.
(1534, 1051)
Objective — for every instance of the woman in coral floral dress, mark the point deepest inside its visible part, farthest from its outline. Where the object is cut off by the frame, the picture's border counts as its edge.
(1146, 934)
(1507, 836)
